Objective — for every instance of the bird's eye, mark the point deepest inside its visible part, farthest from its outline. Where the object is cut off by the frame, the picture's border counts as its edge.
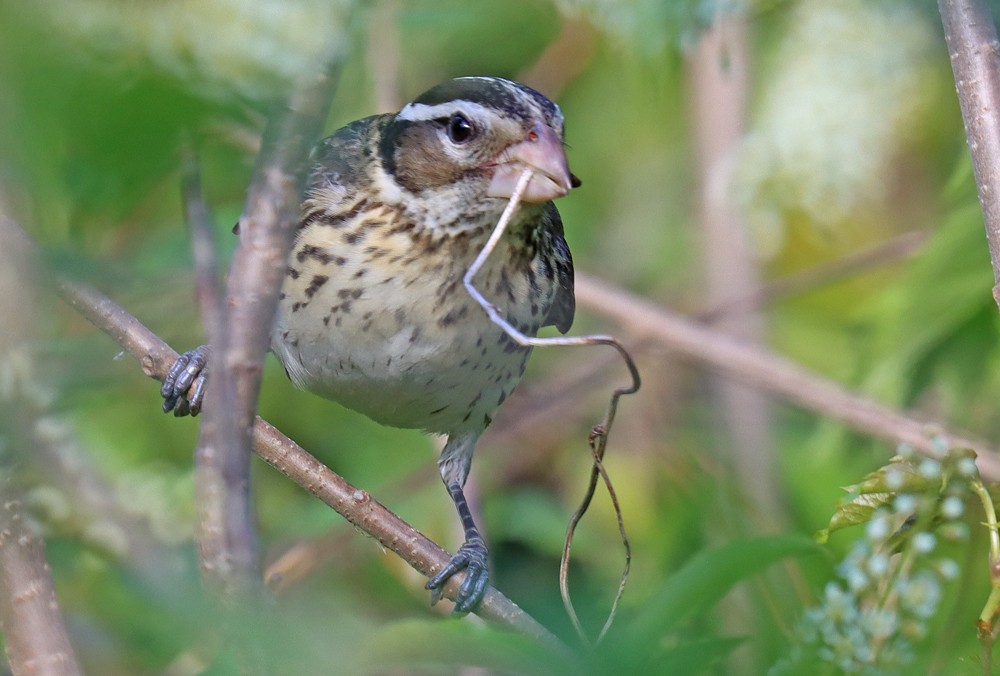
(460, 129)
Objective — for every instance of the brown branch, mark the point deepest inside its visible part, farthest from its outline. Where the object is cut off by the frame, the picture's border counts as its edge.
(227, 541)
(218, 553)
(32, 625)
(199, 219)
(773, 373)
(975, 61)
(718, 74)
(354, 504)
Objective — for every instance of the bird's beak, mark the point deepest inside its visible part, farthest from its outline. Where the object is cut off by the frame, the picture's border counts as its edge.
(541, 150)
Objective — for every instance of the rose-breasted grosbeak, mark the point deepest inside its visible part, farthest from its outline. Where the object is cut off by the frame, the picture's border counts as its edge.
(373, 313)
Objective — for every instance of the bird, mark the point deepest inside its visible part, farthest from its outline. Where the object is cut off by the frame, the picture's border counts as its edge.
(373, 313)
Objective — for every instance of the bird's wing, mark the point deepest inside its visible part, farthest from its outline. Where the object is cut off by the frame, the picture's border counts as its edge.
(343, 159)
(564, 305)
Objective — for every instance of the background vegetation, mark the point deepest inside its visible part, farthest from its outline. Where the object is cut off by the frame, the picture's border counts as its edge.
(847, 174)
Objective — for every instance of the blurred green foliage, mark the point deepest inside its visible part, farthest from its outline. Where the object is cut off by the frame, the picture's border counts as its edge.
(853, 138)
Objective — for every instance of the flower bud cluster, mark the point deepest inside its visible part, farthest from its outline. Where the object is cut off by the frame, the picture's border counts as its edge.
(890, 583)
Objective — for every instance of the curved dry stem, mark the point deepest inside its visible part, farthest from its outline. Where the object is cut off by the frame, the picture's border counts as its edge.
(599, 435)
(598, 443)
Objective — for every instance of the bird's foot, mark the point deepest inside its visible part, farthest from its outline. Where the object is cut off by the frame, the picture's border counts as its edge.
(470, 557)
(191, 368)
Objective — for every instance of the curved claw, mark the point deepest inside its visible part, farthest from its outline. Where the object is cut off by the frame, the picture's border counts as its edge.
(191, 368)
(470, 557)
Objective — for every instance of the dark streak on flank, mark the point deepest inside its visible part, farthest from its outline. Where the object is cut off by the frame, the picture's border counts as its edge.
(315, 284)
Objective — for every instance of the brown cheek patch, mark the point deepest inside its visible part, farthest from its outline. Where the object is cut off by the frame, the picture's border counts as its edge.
(421, 163)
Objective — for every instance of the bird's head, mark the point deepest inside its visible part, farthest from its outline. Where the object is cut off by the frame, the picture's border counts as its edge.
(481, 132)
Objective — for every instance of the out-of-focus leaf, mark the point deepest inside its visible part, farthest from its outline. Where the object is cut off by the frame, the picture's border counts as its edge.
(935, 305)
(898, 476)
(694, 589)
(881, 486)
(421, 645)
(223, 47)
(853, 512)
(649, 27)
(694, 657)
(452, 33)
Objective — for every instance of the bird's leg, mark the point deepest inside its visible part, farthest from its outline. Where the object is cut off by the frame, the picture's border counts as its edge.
(471, 557)
(191, 368)
(455, 461)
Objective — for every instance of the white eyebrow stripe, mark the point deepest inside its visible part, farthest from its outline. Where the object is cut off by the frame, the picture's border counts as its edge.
(421, 112)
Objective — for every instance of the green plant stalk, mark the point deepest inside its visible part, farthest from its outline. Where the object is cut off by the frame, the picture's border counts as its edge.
(888, 597)
(992, 607)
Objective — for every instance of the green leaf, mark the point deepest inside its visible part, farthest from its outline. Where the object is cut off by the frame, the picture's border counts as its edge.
(853, 512)
(694, 657)
(876, 490)
(934, 307)
(695, 588)
(899, 476)
(881, 486)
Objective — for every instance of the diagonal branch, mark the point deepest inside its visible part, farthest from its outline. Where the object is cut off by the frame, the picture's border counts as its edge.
(975, 61)
(773, 373)
(354, 504)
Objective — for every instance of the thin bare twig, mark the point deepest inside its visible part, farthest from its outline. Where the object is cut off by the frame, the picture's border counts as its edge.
(975, 60)
(598, 442)
(354, 504)
(199, 219)
(599, 435)
(218, 552)
(774, 373)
